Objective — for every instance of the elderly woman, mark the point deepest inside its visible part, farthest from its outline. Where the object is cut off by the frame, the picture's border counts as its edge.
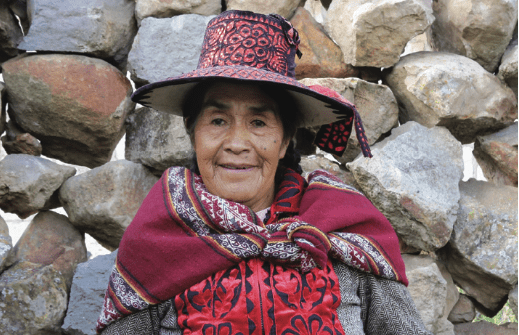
(241, 243)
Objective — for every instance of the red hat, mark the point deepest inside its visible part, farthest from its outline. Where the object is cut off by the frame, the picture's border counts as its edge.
(250, 47)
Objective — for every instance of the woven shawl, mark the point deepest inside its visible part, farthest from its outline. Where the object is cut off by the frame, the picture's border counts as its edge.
(182, 234)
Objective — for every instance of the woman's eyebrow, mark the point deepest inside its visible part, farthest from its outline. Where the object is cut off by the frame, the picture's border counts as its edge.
(214, 103)
(262, 109)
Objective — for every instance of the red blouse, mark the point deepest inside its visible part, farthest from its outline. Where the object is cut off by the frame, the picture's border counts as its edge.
(258, 297)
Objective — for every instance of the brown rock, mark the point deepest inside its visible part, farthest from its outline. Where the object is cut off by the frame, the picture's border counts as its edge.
(50, 239)
(321, 56)
(18, 142)
(497, 156)
(484, 328)
(75, 105)
(463, 311)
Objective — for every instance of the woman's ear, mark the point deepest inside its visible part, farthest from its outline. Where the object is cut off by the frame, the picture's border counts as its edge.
(284, 147)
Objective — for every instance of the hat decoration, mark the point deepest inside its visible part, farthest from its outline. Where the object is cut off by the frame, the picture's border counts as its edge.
(250, 47)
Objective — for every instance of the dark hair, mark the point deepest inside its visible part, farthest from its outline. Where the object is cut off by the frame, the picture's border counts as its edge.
(290, 116)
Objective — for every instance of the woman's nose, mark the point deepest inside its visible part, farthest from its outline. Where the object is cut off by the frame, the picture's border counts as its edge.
(238, 139)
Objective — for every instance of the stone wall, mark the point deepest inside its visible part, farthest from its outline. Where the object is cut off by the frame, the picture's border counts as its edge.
(427, 77)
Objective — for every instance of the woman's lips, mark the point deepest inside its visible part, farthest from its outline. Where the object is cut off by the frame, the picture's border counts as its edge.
(236, 167)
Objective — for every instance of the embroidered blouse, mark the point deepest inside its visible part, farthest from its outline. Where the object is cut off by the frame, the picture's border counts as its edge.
(258, 297)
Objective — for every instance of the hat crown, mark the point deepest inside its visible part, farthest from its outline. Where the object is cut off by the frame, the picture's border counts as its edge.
(267, 42)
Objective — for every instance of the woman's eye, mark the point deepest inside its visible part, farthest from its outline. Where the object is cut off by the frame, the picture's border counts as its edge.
(258, 123)
(218, 122)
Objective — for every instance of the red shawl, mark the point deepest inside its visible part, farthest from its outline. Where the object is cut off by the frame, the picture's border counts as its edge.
(182, 234)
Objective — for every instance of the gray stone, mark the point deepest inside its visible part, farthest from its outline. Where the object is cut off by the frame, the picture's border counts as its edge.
(508, 68)
(317, 10)
(6, 244)
(50, 239)
(166, 47)
(33, 300)
(10, 33)
(100, 28)
(441, 89)
(3, 112)
(319, 162)
(485, 328)
(413, 180)
(430, 292)
(417, 44)
(162, 9)
(157, 140)
(374, 33)
(497, 156)
(376, 105)
(28, 184)
(113, 192)
(75, 105)
(463, 311)
(482, 252)
(512, 298)
(284, 8)
(477, 29)
(87, 295)
(18, 142)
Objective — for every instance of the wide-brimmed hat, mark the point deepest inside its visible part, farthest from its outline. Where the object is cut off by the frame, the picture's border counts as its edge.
(250, 47)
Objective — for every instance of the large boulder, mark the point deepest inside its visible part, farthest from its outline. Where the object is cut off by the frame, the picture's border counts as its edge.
(376, 105)
(75, 105)
(166, 47)
(100, 28)
(478, 29)
(284, 8)
(29, 184)
(497, 156)
(113, 192)
(87, 295)
(10, 33)
(413, 180)
(441, 89)
(431, 291)
(482, 252)
(50, 239)
(508, 68)
(157, 140)
(374, 33)
(33, 299)
(162, 9)
(321, 56)
(6, 244)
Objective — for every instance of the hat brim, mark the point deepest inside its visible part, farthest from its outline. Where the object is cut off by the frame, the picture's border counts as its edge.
(168, 95)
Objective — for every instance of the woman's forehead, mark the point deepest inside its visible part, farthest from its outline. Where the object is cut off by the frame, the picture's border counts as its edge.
(225, 95)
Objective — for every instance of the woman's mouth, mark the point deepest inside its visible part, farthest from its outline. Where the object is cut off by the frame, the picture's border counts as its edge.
(236, 167)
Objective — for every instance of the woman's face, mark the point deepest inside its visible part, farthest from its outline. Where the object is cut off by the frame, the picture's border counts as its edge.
(238, 140)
